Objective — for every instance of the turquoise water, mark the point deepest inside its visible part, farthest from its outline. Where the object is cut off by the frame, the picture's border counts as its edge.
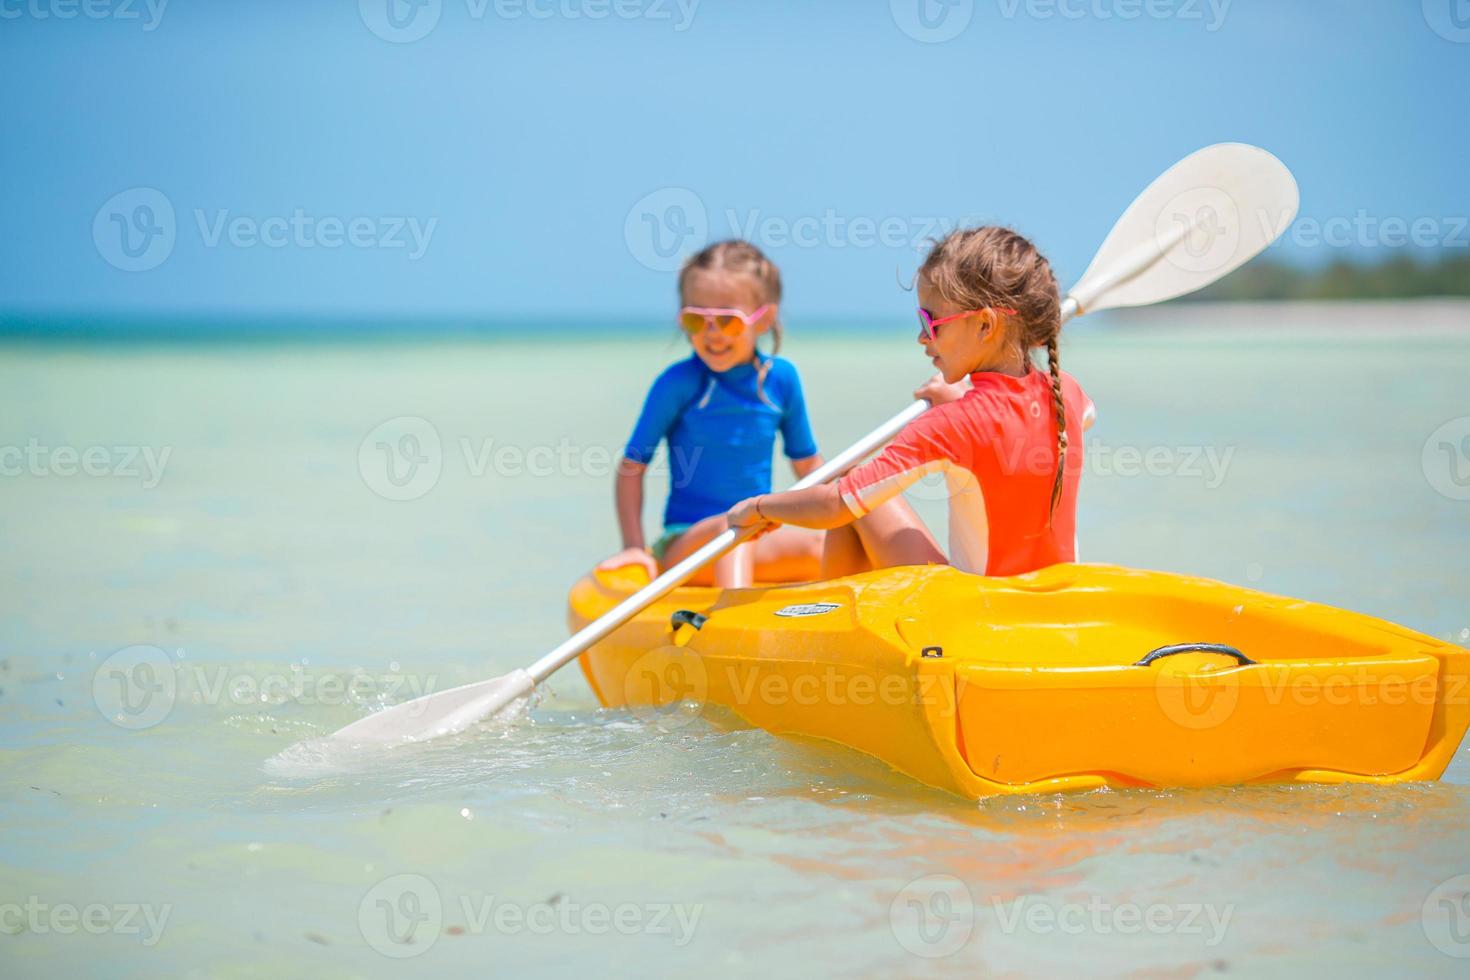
(237, 522)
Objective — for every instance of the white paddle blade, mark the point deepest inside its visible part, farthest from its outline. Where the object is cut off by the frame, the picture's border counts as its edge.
(440, 713)
(1201, 219)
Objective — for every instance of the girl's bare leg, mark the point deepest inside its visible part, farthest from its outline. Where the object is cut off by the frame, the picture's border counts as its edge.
(894, 535)
(843, 553)
(787, 554)
(735, 569)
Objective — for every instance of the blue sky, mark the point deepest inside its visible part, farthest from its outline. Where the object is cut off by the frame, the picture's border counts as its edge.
(556, 155)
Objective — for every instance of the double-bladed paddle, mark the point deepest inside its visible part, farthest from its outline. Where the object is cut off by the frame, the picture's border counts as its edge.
(1200, 220)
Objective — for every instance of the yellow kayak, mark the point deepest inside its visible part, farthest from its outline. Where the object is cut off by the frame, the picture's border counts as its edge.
(1073, 677)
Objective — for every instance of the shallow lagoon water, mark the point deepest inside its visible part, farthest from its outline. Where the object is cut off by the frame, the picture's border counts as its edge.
(269, 567)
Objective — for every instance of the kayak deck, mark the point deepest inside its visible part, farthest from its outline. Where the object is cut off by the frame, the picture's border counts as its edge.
(1073, 677)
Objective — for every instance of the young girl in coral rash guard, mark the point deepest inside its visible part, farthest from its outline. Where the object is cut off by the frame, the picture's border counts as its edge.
(1010, 447)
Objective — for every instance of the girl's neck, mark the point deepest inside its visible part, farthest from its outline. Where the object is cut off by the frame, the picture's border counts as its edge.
(1017, 366)
(757, 360)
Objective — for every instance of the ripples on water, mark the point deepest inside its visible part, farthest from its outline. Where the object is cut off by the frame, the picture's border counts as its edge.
(792, 851)
(264, 549)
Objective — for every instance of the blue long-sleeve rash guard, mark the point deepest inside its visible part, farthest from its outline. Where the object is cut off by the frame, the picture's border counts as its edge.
(721, 433)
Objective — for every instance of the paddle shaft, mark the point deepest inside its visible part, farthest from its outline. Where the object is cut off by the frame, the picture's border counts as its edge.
(713, 549)
(578, 642)
(1125, 272)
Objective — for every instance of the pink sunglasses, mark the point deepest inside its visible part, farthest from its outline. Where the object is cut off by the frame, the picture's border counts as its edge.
(929, 327)
(696, 319)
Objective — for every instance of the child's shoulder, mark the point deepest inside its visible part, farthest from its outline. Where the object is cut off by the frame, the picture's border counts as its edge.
(783, 370)
(1071, 386)
(688, 372)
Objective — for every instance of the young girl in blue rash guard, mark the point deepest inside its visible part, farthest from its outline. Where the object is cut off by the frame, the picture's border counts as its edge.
(719, 410)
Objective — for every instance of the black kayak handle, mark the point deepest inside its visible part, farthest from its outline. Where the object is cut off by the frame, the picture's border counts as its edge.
(1161, 652)
(686, 617)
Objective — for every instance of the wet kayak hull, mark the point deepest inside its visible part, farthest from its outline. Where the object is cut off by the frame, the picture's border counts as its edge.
(1074, 677)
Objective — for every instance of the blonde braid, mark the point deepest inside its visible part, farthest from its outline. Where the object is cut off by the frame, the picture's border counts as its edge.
(1054, 365)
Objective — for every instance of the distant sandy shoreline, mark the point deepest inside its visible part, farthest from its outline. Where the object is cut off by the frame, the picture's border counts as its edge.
(1365, 318)
(1418, 316)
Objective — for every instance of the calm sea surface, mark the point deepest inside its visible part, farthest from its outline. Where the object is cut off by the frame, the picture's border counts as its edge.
(232, 510)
